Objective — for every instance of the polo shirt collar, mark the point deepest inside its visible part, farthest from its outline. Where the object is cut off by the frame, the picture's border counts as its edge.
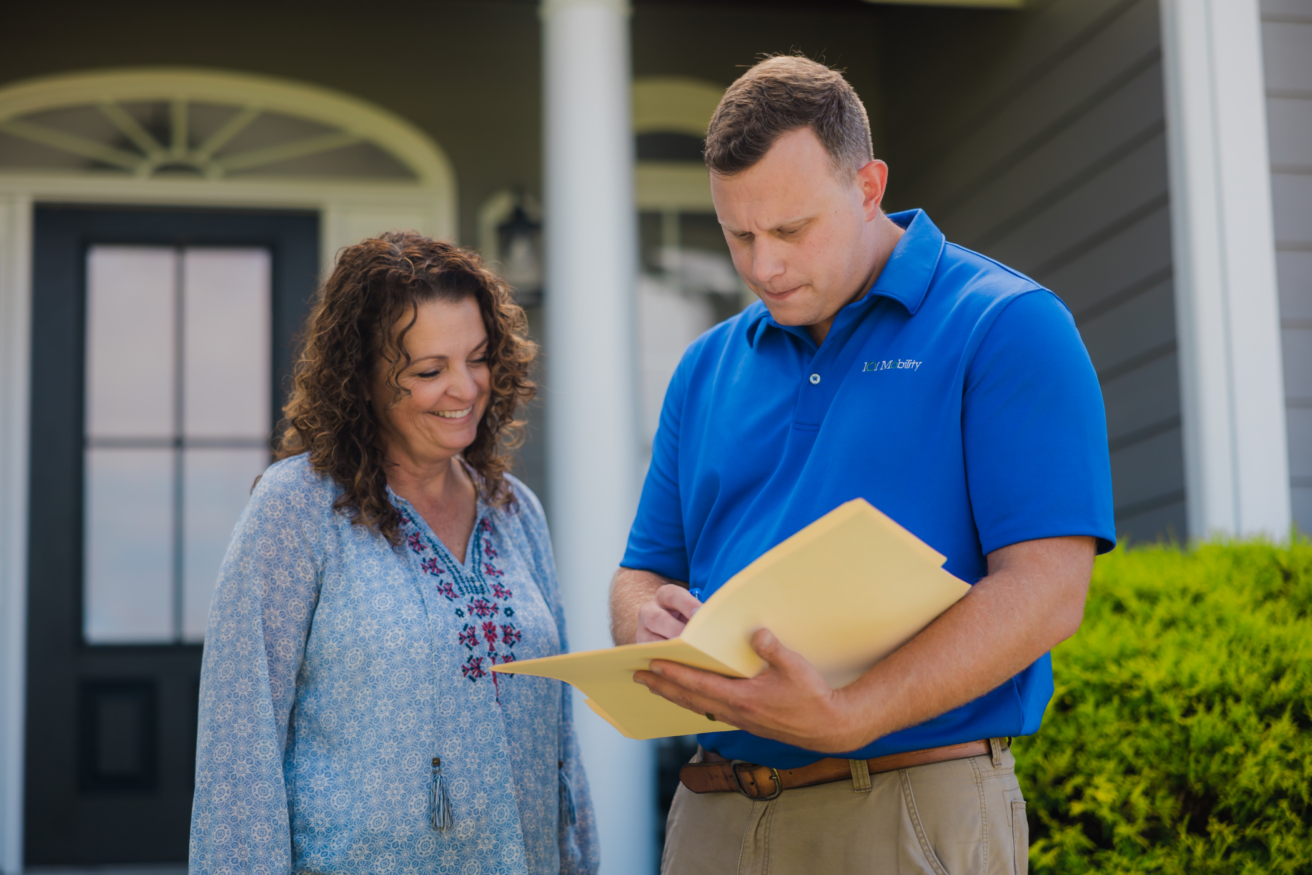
(905, 278)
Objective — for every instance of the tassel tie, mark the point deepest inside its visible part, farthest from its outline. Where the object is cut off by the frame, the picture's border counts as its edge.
(439, 803)
(567, 811)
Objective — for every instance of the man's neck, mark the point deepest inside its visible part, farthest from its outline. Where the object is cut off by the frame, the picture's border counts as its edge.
(886, 233)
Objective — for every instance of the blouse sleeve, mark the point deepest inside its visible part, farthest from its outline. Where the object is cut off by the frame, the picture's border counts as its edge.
(579, 852)
(259, 619)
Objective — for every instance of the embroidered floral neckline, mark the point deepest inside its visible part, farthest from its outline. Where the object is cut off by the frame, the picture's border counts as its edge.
(476, 592)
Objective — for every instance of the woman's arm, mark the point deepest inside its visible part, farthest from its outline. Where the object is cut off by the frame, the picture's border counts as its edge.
(579, 854)
(258, 622)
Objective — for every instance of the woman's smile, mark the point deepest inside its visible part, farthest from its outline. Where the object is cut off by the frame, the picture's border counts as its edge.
(448, 342)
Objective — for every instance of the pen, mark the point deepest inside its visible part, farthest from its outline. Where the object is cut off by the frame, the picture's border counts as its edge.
(696, 592)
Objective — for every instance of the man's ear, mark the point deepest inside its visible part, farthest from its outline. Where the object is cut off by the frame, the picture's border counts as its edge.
(872, 179)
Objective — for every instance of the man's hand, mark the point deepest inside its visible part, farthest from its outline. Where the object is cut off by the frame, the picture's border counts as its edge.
(647, 607)
(665, 614)
(1031, 600)
(788, 701)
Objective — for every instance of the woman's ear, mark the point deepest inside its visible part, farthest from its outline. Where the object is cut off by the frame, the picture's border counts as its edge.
(368, 390)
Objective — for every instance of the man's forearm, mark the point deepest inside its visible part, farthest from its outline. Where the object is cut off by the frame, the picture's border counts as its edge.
(1020, 611)
(630, 589)
(1032, 599)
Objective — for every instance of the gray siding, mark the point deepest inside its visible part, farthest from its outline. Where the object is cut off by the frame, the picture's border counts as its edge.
(1287, 51)
(1048, 153)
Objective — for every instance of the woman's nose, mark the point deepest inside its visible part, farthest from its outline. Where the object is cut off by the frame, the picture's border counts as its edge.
(463, 385)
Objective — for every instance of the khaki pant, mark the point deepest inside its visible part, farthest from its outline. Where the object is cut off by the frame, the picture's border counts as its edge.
(962, 817)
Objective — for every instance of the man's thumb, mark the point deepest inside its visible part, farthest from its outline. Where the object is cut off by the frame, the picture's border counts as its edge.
(767, 646)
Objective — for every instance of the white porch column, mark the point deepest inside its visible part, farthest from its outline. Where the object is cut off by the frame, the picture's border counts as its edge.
(15, 378)
(591, 268)
(1227, 312)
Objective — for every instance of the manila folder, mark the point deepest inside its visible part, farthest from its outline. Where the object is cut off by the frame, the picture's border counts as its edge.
(844, 592)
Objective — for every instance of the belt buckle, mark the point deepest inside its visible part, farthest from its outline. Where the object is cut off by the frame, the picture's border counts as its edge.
(774, 775)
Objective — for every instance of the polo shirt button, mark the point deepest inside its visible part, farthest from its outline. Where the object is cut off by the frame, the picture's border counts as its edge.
(815, 378)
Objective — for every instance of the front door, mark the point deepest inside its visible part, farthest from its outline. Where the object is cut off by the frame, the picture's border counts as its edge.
(161, 352)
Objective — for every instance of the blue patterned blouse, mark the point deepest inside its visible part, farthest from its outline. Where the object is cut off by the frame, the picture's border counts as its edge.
(338, 667)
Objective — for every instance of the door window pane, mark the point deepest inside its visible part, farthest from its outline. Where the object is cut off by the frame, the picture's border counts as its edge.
(178, 398)
(130, 341)
(226, 344)
(217, 487)
(127, 568)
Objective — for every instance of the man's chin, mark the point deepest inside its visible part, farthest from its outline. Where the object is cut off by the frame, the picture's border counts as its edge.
(786, 312)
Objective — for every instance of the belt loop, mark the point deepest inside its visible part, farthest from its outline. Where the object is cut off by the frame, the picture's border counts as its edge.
(996, 747)
(860, 776)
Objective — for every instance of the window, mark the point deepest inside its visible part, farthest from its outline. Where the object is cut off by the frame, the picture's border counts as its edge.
(177, 427)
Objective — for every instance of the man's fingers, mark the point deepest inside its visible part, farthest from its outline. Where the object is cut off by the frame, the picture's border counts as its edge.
(657, 624)
(676, 598)
(703, 683)
(665, 615)
(685, 697)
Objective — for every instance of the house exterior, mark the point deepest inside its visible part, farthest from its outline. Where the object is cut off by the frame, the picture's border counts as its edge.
(173, 181)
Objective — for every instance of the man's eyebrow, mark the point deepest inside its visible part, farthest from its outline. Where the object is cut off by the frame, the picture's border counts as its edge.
(797, 220)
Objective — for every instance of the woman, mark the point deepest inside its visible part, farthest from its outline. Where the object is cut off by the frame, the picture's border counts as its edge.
(349, 718)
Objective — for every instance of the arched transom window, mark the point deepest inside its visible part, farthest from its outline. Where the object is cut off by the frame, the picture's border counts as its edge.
(155, 123)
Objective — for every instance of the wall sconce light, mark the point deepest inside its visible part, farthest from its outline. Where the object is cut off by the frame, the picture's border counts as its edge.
(519, 240)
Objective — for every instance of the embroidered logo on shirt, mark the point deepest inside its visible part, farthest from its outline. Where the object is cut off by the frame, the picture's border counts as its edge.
(891, 365)
(488, 635)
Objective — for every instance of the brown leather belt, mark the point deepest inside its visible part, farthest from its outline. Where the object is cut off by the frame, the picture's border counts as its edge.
(715, 774)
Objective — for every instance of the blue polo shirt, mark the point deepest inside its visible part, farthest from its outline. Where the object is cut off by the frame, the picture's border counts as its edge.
(955, 395)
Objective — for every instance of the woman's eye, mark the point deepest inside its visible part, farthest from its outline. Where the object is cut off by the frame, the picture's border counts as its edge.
(428, 375)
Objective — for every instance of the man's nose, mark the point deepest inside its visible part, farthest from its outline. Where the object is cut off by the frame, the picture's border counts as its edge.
(767, 261)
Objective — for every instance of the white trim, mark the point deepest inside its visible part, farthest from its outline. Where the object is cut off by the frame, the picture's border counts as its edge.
(673, 186)
(590, 233)
(403, 140)
(1227, 310)
(349, 211)
(15, 364)
(495, 210)
(674, 103)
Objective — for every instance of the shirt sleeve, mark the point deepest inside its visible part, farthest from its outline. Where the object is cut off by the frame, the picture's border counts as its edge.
(579, 846)
(1034, 430)
(656, 540)
(259, 619)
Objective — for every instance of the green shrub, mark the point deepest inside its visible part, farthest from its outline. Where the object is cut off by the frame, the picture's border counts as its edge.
(1179, 739)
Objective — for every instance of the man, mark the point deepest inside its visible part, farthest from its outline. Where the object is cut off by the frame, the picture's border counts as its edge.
(952, 393)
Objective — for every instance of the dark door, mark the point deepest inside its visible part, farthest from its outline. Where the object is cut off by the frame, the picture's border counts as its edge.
(162, 345)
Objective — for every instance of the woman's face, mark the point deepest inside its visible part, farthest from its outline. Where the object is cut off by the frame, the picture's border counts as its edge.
(448, 381)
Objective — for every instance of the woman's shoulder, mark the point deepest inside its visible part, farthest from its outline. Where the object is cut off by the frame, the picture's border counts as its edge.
(524, 504)
(522, 511)
(294, 480)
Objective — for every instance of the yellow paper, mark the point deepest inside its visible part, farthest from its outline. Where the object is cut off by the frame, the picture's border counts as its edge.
(844, 592)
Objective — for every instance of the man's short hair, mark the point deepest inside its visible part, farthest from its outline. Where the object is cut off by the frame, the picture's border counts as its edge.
(782, 94)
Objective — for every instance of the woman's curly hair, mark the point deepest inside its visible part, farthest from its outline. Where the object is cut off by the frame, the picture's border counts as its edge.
(375, 287)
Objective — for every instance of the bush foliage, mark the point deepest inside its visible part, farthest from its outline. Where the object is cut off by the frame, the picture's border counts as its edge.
(1179, 739)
